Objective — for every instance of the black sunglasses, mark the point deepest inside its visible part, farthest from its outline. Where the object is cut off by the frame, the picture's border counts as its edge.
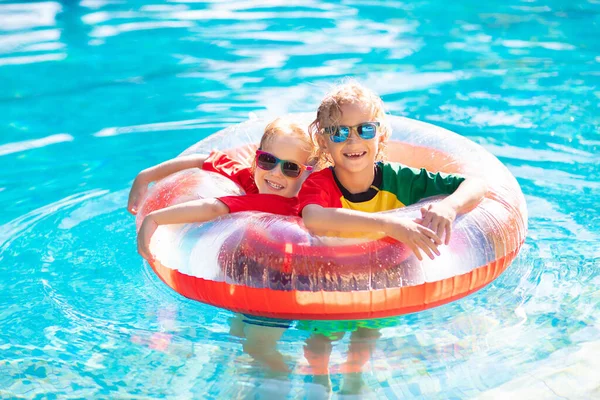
(268, 161)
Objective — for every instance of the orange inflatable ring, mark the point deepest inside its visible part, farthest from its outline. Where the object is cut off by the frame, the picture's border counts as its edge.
(270, 266)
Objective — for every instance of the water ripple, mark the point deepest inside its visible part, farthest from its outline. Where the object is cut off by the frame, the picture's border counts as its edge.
(136, 83)
(9, 148)
(27, 16)
(19, 226)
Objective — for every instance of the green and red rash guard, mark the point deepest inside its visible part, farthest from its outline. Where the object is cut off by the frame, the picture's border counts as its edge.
(224, 165)
(394, 186)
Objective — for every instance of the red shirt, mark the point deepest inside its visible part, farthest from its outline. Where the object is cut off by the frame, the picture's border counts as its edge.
(320, 188)
(269, 203)
(224, 165)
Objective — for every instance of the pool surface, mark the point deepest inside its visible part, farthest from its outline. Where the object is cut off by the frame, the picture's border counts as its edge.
(92, 92)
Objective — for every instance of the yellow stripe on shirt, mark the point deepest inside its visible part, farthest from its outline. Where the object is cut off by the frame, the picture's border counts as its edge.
(382, 201)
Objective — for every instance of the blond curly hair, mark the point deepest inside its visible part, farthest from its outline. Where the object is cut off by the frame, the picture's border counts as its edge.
(329, 114)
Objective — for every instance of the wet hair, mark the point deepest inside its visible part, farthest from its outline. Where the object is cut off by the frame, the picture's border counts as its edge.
(329, 114)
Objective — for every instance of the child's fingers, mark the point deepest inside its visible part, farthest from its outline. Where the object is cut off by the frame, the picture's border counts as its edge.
(436, 225)
(427, 219)
(145, 253)
(435, 248)
(131, 204)
(415, 250)
(431, 235)
(423, 245)
(448, 233)
(140, 249)
(430, 246)
(146, 249)
(142, 245)
(136, 194)
(442, 229)
(132, 208)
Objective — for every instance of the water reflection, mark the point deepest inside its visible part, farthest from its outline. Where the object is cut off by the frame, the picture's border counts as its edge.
(93, 91)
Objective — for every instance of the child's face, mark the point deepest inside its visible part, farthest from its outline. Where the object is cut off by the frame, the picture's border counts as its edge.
(355, 154)
(286, 148)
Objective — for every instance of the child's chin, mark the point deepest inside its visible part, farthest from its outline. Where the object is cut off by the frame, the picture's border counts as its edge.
(357, 165)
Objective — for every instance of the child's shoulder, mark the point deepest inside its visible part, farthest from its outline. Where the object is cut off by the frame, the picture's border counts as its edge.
(403, 172)
(392, 164)
(319, 182)
(218, 160)
(321, 175)
(217, 156)
(391, 167)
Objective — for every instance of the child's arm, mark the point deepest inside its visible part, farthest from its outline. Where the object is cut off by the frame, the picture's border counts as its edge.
(152, 174)
(439, 216)
(193, 211)
(418, 237)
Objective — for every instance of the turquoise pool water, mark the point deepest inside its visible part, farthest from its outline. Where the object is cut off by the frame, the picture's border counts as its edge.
(91, 92)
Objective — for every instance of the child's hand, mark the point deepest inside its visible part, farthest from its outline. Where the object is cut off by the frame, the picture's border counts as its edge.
(416, 236)
(137, 193)
(439, 218)
(145, 233)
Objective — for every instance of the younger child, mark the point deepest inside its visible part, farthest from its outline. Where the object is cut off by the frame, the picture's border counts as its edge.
(351, 131)
(282, 163)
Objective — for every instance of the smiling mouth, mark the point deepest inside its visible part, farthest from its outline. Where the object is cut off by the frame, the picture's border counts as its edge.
(274, 185)
(355, 155)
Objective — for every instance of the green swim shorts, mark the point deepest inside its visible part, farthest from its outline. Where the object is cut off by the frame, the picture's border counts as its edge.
(332, 329)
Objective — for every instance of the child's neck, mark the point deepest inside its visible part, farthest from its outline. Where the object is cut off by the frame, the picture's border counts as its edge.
(356, 182)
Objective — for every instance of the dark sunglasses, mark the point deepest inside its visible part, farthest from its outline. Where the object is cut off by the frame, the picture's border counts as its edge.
(268, 161)
(339, 134)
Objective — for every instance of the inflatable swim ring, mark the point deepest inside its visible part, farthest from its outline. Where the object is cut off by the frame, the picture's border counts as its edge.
(270, 266)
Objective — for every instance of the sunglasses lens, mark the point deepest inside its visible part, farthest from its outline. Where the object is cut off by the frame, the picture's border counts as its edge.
(367, 131)
(266, 161)
(339, 134)
(291, 169)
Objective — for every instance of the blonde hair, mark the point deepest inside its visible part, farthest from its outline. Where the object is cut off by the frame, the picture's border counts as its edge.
(283, 127)
(329, 114)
